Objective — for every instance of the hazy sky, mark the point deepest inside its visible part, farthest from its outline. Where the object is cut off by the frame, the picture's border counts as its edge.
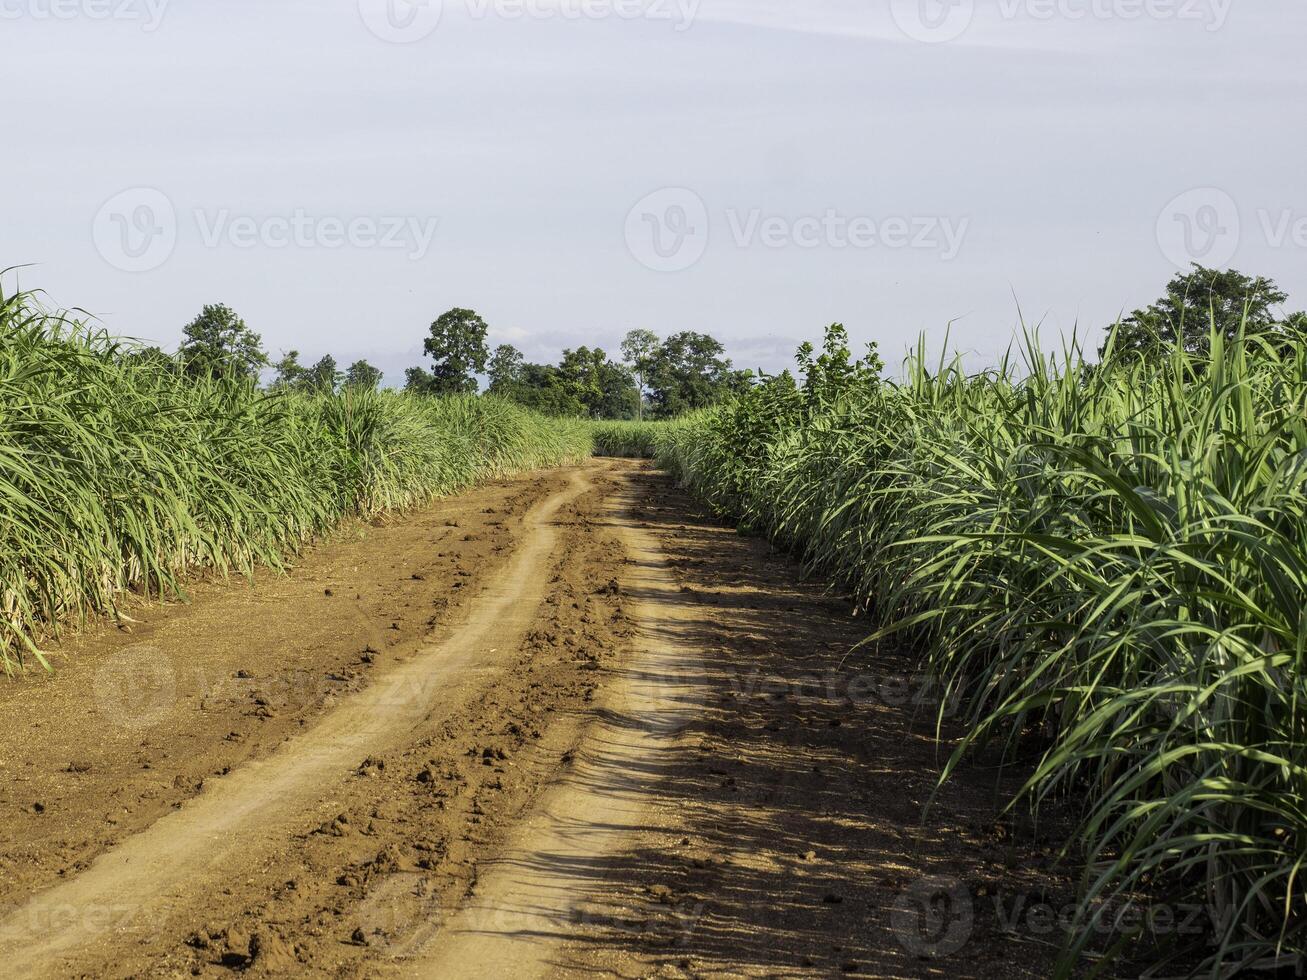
(342, 172)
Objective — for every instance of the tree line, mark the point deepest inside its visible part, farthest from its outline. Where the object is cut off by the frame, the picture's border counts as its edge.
(217, 342)
(662, 377)
(655, 377)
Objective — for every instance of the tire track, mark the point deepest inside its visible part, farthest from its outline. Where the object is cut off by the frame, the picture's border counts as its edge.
(534, 899)
(133, 891)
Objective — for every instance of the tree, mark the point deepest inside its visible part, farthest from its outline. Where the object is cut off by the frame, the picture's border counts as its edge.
(578, 374)
(639, 348)
(688, 371)
(505, 369)
(362, 375)
(290, 372)
(618, 396)
(457, 348)
(604, 389)
(1196, 301)
(419, 381)
(148, 357)
(218, 342)
(323, 376)
(540, 387)
(585, 382)
(1294, 327)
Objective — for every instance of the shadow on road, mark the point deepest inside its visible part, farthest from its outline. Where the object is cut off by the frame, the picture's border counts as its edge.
(786, 831)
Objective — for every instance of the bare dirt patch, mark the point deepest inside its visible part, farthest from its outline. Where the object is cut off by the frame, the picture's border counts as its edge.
(134, 721)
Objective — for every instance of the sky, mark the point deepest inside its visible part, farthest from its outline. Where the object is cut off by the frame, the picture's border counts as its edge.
(342, 172)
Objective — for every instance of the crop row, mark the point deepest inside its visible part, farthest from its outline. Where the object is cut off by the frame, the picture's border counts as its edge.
(1106, 564)
(118, 472)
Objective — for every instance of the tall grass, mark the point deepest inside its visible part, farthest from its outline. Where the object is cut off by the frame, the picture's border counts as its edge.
(631, 440)
(117, 472)
(1108, 565)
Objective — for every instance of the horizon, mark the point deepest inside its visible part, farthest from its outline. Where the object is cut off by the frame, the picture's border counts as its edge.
(1020, 343)
(754, 172)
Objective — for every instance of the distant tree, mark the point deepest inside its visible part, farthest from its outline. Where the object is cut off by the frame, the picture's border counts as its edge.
(362, 375)
(218, 342)
(323, 376)
(155, 358)
(639, 348)
(419, 381)
(584, 382)
(290, 372)
(541, 388)
(1288, 336)
(1194, 302)
(604, 388)
(619, 398)
(1294, 327)
(688, 371)
(505, 369)
(578, 373)
(457, 348)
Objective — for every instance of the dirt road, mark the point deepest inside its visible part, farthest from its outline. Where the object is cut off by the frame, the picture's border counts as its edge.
(562, 725)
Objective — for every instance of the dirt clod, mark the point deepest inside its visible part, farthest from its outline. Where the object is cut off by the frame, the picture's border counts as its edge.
(271, 954)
